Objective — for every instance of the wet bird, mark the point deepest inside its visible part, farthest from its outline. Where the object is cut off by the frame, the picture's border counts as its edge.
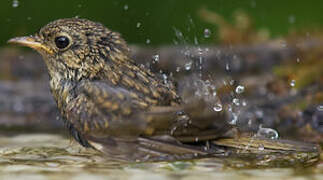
(111, 104)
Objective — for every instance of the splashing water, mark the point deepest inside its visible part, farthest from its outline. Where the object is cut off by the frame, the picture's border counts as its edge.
(207, 33)
(188, 66)
(217, 107)
(234, 119)
(15, 3)
(138, 25)
(155, 58)
(267, 133)
(261, 147)
(320, 108)
(236, 101)
(239, 89)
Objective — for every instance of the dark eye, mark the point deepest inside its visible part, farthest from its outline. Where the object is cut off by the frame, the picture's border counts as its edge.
(62, 42)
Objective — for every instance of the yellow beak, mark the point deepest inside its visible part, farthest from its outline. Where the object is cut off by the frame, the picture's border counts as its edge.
(31, 42)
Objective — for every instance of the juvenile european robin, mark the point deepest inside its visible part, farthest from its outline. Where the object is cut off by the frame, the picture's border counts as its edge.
(116, 106)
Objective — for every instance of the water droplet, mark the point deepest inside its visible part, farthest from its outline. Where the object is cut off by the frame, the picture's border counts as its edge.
(155, 58)
(147, 41)
(217, 107)
(261, 147)
(239, 89)
(292, 83)
(138, 25)
(236, 101)
(165, 78)
(234, 119)
(125, 7)
(15, 3)
(207, 33)
(267, 133)
(227, 66)
(196, 42)
(291, 19)
(320, 108)
(283, 43)
(188, 66)
(172, 131)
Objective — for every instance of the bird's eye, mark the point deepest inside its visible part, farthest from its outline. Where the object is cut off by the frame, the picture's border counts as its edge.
(62, 42)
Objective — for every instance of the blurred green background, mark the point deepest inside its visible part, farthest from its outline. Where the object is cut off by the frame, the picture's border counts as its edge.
(153, 21)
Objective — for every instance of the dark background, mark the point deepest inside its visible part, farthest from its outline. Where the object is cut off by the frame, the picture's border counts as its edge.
(158, 18)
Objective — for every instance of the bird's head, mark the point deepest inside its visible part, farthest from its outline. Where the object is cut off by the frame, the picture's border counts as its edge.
(76, 48)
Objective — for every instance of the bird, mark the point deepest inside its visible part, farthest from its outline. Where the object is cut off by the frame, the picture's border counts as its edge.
(110, 103)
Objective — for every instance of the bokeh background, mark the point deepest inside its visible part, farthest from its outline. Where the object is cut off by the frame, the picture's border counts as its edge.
(152, 21)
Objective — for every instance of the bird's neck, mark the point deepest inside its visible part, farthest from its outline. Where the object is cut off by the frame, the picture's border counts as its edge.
(61, 89)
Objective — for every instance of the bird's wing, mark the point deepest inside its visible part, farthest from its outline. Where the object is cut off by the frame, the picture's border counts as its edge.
(102, 109)
(114, 111)
(115, 122)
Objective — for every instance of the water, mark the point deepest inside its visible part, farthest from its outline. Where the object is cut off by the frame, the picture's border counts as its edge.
(239, 89)
(217, 107)
(138, 24)
(292, 83)
(267, 133)
(15, 3)
(47, 156)
(155, 58)
(207, 33)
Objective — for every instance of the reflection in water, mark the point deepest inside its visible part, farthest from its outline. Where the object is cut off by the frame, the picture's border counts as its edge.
(45, 156)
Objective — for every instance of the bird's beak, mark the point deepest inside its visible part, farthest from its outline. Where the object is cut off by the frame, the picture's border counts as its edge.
(31, 42)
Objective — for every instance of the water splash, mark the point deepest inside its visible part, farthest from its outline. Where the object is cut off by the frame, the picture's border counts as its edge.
(234, 118)
(261, 147)
(236, 101)
(217, 107)
(207, 33)
(15, 3)
(155, 58)
(267, 133)
(320, 107)
(227, 66)
(239, 89)
(138, 25)
(188, 66)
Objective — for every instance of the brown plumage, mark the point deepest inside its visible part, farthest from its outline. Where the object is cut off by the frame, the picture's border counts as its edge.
(110, 103)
